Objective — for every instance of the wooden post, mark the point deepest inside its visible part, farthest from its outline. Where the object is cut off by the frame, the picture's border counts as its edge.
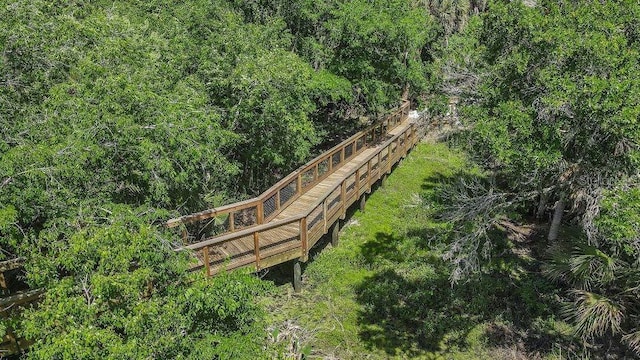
(343, 197)
(185, 236)
(297, 276)
(205, 256)
(260, 212)
(299, 184)
(303, 237)
(278, 199)
(232, 222)
(256, 249)
(324, 215)
(383, 182)
(404, 144)
(358, 181)
(335, 231)
(369, 176)
(363, 201)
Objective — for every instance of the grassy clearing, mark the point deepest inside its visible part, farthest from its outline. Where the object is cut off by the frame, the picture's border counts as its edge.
(384, 291)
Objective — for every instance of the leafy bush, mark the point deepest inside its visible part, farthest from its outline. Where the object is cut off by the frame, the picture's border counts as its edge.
(123, 292)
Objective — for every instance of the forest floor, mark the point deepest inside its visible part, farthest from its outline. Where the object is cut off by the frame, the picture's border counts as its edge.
(384, 291)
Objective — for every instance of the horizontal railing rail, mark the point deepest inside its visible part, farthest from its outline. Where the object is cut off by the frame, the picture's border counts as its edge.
(263, 208)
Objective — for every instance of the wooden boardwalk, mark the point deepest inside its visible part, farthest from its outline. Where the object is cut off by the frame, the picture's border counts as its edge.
(287, 220)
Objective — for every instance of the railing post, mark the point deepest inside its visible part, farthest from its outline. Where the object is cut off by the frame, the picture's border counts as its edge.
(185, 235)
(343, 197)
(358, 182)
(256, 246)
(404, 144)
(368, 175)
(413, 134)
(260, 212)
(324, 215)
(397, 149)
(232, 223)
(205, 258)
(299, 183)
(303, 237)
(278, 199)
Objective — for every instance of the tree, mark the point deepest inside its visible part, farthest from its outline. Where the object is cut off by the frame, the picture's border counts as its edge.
(117, 289)
(605, 278)
(551, 107)
(557, 110)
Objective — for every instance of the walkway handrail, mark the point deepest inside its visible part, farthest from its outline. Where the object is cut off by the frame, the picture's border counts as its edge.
(308, 224)
(266, 206)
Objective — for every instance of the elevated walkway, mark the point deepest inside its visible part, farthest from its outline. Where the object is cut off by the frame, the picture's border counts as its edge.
(287, 220)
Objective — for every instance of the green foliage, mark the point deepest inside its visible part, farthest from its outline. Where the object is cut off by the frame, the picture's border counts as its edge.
(376, 45)
(106, 107)
(116, 115)
(550, 107)
(453, 16)
(123, 292)
(619, 222)
(269, 97)
(8, 217)
(606, 277)
(555, 100)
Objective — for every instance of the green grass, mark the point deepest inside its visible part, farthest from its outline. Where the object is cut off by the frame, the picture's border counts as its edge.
(384, 292)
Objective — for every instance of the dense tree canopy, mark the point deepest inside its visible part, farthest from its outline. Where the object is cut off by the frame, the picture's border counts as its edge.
(117, 115)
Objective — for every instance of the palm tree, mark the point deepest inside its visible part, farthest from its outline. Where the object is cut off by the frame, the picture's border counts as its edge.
(605, 290)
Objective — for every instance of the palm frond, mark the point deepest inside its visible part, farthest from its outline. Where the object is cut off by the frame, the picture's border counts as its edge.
(633, 340)
(585, 267)
(594, 314)
(593, 266)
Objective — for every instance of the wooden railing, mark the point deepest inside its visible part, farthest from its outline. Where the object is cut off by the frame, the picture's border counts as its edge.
(263, 208)
(306, 228)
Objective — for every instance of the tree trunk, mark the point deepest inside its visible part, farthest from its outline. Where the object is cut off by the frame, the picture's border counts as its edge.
(557, 219)
(542, 204)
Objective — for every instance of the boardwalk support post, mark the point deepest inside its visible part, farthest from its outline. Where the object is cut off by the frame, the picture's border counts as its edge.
(383, 181)
(335, 232)
(297, 276)
(363, 201)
